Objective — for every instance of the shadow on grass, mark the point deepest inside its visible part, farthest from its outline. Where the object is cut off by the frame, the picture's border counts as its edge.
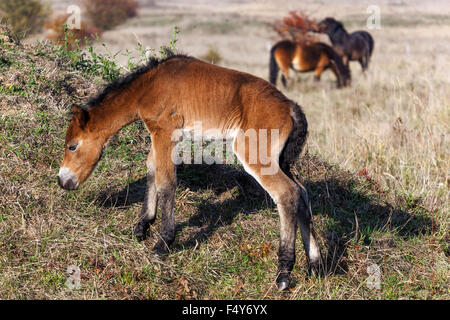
(352, 211)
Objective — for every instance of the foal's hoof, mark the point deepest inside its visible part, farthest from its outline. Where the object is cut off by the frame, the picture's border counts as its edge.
(283, 281)
(314, 269)
(161, 248)
(283, 285)
(140, 231)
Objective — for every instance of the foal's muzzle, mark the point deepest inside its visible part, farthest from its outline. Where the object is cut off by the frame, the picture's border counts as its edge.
(67, 180)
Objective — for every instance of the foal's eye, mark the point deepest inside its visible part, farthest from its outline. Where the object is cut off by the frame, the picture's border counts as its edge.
(73, 147)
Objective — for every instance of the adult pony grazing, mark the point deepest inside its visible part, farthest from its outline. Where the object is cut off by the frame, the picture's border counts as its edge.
(354, 46)
(174, 94)
(306, 57)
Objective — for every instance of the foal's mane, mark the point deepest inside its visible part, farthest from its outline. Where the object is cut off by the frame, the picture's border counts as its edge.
(152, 63)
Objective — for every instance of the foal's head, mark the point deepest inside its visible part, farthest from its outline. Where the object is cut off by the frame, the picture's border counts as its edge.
(83, 149)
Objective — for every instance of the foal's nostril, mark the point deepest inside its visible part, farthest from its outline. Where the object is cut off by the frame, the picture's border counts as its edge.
(67, 180)
(68, 184)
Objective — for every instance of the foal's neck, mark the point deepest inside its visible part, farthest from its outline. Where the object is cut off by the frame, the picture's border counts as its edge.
(117, 110)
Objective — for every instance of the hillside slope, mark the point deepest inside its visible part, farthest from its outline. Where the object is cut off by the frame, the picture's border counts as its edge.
(227, 239)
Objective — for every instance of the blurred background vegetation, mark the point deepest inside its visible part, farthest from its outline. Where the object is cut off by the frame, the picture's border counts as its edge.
(26, 17)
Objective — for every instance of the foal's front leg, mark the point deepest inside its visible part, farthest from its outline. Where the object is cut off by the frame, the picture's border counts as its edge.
(165, 184)
(148, 211)
(166, 198)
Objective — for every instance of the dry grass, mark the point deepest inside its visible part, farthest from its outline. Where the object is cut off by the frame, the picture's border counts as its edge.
(392, 123)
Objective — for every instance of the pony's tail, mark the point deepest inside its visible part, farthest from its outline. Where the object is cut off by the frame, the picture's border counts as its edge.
(273, 67)
(371, 45)
(296, 140)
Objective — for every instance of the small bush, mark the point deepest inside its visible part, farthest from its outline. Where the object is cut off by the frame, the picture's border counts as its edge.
(58, 33)
(212, 56)
(5, 35)
(24, 16)
(297, 26)
(107, 14)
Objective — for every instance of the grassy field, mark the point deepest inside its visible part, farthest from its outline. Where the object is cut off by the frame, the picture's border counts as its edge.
(376, 167)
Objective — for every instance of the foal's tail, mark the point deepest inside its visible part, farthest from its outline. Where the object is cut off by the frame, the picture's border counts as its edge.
(296, 140)
(273, 67)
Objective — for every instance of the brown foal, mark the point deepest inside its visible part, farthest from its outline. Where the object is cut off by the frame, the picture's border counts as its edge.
(172, 94)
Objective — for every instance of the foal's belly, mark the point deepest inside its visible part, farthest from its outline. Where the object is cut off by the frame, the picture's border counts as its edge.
(198, 131)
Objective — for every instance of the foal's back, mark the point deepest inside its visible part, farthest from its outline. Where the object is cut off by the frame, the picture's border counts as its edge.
(219, 97)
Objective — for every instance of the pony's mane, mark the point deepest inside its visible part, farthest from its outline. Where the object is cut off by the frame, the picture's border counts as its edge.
(337, 25)
(152, 63)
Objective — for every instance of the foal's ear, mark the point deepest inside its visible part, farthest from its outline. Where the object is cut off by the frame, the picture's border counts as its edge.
(80, 116)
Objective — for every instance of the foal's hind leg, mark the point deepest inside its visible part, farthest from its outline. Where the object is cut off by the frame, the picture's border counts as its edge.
(148, 211)
(287, 195)
(292, 204)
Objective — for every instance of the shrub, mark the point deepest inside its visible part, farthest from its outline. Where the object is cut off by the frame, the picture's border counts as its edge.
(59, 34)
(212, 56)
(297, 26)
(5, 35)
(106, 14)
(24, 16)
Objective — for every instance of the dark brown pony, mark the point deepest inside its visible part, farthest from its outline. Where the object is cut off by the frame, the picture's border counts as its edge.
(354, 46)
(174, 94)
(306, 57)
